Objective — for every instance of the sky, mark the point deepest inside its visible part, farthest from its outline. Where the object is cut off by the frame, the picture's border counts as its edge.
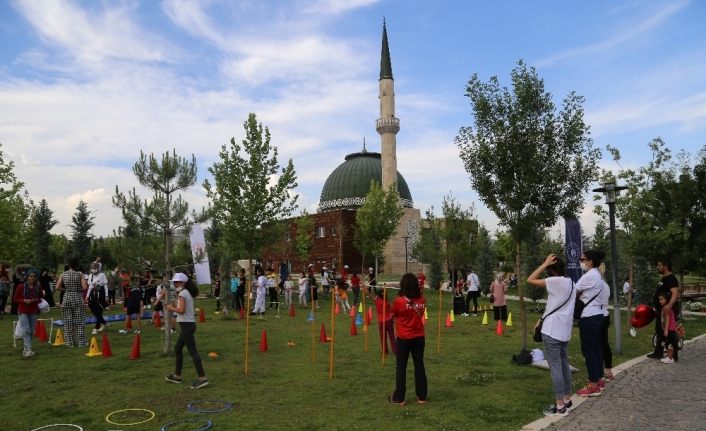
(86, 85)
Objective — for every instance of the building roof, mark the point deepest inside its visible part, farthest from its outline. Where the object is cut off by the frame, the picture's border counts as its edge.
(349, 183)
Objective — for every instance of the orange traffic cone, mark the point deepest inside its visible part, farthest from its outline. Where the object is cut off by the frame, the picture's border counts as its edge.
(291, 311)
(449, 323)
(354, 330)
(202, 316)
(128, 320)
(135, 352)
(157, 320)
(370, 316)
(263, 341)
(499, 328)
(107, 352)
(322, 335)
(43, 337)
(337, 309)
(354, 311)
(36, 328)
(242, 314)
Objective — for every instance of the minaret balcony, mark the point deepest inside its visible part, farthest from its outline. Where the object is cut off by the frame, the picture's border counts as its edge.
(387, 125)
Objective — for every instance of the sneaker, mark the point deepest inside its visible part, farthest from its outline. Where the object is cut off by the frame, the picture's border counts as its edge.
(94, 332)
(601, 383)
(123, 331)
(609, 375)
(421, 402)
(655, 355)
(667, 360)
(137, 331)
(173, 379)
(198, 384)
(464, 314)
(590, 390)
(475, 314)
(27, 354)
(553, 411)
(568, 404)
(393, 401)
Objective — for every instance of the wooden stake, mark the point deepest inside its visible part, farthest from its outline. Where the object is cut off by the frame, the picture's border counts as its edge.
(313, 327)
(365, 324)
(247, 324)
(438, 326)
(384, 327)
(333, 337)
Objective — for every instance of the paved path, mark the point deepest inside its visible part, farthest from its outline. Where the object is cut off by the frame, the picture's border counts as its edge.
(640, 399)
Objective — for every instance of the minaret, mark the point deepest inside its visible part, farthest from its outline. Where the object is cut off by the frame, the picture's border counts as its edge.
(387, 125)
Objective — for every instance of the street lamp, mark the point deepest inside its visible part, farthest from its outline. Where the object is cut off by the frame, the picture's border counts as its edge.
(406, 260)
(610, 190)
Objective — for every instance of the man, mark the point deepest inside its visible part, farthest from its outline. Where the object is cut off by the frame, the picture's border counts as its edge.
(668, 284)
(473, 286)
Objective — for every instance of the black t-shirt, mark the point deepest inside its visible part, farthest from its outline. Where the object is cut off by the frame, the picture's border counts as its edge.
(665, 285)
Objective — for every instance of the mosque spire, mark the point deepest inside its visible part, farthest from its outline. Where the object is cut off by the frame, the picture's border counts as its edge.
(385, 63)
(387, 125)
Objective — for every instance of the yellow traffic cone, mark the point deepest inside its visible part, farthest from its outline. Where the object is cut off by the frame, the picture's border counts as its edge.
(485, 318)
(360, 307)
(59, 339)
(93, 350)
(426, 316)
(453, 318)
(509, 320)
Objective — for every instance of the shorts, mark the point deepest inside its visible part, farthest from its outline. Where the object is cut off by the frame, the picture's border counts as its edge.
(134, 304)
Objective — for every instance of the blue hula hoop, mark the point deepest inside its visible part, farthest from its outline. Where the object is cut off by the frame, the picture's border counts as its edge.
(193, 406)
(209, 424)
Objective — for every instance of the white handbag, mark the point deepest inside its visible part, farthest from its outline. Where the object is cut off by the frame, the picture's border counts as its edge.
(44, 306)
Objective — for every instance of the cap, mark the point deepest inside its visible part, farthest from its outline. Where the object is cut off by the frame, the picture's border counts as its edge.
(180, 276)
(370, 269)
(324, 267)
(346, 266)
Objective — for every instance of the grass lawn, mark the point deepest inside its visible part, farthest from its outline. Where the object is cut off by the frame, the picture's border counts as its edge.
(472, 383)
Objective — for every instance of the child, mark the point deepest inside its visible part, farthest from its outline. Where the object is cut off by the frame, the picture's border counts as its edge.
(134, 305)
(217, 290)
(303, 289)
(342, 295)
(355, 286)
(159, 301)
(313, 291)
(234, 285)
(669, 333)
(96, 296)
(288, 285)
(242, 285)
(260, 294)
(272, 288)
(385, 326)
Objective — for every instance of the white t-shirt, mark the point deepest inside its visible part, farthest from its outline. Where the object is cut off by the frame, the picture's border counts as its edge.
(589, 285)
(626, 288)
(604, 297)
(560, 323)
(473, 283)
(188, 314)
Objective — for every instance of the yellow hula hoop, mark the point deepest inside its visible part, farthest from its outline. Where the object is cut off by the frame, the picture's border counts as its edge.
(107, 418)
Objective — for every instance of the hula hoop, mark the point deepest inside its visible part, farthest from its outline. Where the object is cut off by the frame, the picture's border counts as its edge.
(209, 424)
(131, 423)
(193, 406)
(58, 425)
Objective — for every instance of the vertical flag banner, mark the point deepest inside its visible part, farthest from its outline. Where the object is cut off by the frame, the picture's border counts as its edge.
(573, 247)
(198, 253)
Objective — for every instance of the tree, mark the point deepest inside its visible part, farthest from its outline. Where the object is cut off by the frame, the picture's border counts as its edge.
(428, 248)
(485, 261)
(529, 164)
(42, 222)
(15, 210)
(459, 229)
(167, 212)
(81, 237)
(376, 221)
(304, 241)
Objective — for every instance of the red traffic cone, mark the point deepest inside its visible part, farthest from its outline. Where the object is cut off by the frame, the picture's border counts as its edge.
(202, 316)
(157, 320)
(354, 330)
(322, 336)
(354, 311)
(263, 341)
(135, 352)
(242, 314)
(43, 337)
(499, 328)
(370, 316)
(337, 309)
(449, 323)
(128, 320)
(36, 328)
(105, 348)
(291, 311)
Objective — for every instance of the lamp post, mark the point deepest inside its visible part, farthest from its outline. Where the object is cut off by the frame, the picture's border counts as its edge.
(406, 260)
(610, 190)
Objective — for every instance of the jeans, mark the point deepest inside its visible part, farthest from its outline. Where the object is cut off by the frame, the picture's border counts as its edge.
(415, 346)
(605, 344)
(556, 353)
(27, 321)
(591, 332)
(186, 338)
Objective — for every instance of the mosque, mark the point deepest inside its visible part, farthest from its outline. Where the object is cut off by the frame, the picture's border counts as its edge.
(344, 192)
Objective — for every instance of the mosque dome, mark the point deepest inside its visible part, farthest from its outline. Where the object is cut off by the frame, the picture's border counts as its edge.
(349, 183)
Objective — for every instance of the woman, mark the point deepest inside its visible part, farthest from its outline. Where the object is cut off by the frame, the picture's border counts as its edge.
(184, 309)
(498, 289)
(73, 284)
(556, 329)
(27, 297)
(96, 295)
(408, 311)
(591, 321)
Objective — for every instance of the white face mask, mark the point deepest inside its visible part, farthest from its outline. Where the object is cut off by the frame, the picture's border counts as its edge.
(94, 271)
(584, 266)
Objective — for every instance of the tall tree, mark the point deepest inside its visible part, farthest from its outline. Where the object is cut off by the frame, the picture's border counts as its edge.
(428, 248)
(15, 210)
(528, 163)
(376, 221)
(485, 259)
(304, 240)
(459, 229)
(42, 222)
(167, 212)
(81, 237)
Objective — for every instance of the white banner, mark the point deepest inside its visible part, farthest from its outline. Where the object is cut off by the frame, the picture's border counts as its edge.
(198, 253)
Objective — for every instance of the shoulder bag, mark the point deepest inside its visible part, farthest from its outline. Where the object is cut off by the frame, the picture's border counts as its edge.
(578, 308)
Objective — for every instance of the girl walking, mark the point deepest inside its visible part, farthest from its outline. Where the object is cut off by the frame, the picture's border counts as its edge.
(27, 297)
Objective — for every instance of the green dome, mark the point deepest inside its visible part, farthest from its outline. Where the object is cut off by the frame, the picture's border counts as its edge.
(349, 183)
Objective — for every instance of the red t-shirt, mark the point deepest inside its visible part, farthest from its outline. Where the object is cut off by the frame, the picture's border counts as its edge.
(379, 309)
(422, 279)
(409, 315)
(355, 282)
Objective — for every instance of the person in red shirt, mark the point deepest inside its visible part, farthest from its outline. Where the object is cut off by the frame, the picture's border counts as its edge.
(27, 296)
(408, 311)
(355, 286)
(422, 279)
(385, 326)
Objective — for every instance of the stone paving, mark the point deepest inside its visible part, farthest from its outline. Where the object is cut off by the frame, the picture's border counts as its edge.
(646, 395)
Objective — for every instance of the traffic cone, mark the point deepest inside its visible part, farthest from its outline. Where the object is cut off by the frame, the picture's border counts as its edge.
(359, 319)
(360, 307)
(370, 315)
(36, 328)
(353, 312)
(135, 352)
(157, 320)
(485, 318)
(242, 314)
(322, 335)
(426, 315)
(263, 341)
(354, 330)
(59, 339)
(499, 328)
(291, 311)
(509, 320)
(337, 309)
(107, 352)
(128, 322)
(202, 316)
(43, 337)
(453, 318)
(310, 316)
(448, 320)
(93, 350)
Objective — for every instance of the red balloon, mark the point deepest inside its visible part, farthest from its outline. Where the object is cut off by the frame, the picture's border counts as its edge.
(643, 315)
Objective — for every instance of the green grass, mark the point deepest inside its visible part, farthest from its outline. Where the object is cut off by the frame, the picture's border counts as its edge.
(472, 384)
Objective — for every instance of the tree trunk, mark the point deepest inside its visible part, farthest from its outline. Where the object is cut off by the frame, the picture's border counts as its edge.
(167, 347)
(520, 293)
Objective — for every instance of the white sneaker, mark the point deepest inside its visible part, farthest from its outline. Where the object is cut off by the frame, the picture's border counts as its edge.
(137, 331)
(667, 360)
(94, 332)
(464, 314)
(102, 328)
(123, 331)
(28, 354)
